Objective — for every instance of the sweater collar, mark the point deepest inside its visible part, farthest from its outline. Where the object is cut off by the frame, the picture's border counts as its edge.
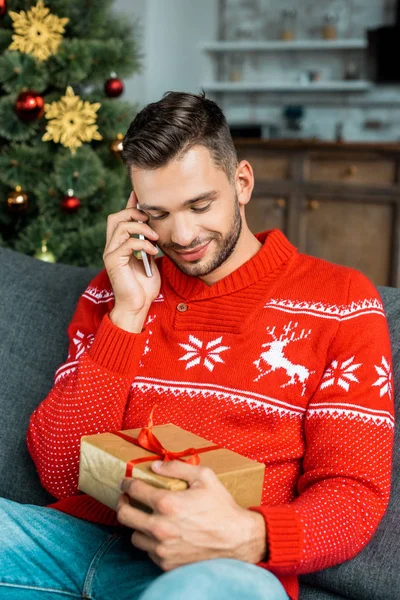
(273, 254)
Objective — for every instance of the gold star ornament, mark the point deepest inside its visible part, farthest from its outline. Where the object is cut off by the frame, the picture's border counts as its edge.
(37, 31)
(71, 121)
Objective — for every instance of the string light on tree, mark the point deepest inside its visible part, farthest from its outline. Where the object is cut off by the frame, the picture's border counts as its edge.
(70, 203)
(29, 106)
(116, 145)
(45, 254)
(17, 201)
(113, 87)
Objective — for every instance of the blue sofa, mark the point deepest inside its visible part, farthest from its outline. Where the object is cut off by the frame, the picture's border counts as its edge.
(37, 301)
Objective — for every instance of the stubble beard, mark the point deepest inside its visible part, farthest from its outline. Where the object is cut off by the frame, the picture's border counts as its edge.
(225, 247)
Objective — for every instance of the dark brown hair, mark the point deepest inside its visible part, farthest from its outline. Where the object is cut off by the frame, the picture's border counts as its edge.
(167, 129)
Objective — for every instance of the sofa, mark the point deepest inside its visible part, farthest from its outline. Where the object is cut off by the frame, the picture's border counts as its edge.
(37, 301)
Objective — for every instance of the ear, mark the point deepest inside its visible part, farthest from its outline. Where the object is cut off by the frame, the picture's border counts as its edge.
(244, 182)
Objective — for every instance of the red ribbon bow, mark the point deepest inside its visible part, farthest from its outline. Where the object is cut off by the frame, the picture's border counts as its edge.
(147, 440)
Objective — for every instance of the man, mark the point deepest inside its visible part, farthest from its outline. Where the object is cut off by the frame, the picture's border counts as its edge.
(241, 339)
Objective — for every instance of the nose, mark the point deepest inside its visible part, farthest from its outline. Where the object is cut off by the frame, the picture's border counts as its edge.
(184, 231)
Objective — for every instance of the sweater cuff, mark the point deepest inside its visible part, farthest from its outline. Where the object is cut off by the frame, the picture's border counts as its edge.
(284, 535)
(117, 350)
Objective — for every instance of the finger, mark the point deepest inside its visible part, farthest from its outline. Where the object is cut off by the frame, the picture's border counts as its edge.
(132, 517)
(156, 559)
(144, 542)
(132, 200)
(193, 474)
(127, 214)
(124, 230)
(145, 493)
(126, 249)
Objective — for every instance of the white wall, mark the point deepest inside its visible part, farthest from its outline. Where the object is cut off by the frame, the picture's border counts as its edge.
(172, 33)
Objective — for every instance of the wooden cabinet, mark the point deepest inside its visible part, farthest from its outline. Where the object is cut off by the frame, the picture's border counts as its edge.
(266, 213)
(339, 202)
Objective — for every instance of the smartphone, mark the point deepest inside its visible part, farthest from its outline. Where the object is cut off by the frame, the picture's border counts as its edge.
(145, 258)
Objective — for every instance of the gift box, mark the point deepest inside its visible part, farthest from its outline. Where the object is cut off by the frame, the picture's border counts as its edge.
(107, 458)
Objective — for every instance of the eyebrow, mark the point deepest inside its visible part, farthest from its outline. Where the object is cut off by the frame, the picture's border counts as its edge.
(204, 196)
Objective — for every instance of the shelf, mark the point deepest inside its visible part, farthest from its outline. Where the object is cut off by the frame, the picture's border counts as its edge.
(261, 46)
(319, 86)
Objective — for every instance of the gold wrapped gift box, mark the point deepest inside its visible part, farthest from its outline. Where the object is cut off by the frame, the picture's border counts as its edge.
(104, 458)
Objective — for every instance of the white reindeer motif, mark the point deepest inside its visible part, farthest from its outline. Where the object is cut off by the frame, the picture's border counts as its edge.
(275, 358)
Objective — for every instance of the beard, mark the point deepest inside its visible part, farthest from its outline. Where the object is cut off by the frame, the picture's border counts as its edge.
(225, 246)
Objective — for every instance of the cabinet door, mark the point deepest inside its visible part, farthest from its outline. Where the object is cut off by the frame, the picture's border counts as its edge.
(263, 212)
(355, 234)
(266, 166)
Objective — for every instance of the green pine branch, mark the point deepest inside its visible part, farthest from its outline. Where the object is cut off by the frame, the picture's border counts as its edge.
(96, 42)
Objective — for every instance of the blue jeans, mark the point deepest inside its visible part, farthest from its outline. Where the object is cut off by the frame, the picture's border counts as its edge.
(48, 555)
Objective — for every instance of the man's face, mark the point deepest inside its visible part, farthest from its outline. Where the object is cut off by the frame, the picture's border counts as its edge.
(193, 208)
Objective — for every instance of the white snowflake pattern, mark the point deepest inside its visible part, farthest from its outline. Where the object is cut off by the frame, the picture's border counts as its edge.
(196, 353)
(384, 380)
(340, 375)
(82, 343)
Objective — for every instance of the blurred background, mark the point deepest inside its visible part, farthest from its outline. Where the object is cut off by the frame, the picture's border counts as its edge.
(310, 89)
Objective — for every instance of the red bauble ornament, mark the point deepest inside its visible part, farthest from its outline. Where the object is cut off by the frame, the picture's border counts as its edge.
(3, 8)
(70, 203)
(29, 106)
(113, 87)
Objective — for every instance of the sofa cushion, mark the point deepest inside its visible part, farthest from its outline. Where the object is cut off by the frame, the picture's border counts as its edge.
(37, 301)
(374, 573)
(308, 592)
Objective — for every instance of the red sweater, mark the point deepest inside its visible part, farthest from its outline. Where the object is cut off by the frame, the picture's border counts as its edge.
(286, 361)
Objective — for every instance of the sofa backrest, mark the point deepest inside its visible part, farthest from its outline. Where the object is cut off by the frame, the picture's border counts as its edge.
(374, 573)
(37, 301)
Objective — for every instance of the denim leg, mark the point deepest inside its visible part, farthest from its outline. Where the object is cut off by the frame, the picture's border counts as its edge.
(124, 572)
(46, 554)
(216, 579)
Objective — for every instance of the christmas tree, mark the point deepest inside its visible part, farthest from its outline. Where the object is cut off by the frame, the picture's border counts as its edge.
(62, 124)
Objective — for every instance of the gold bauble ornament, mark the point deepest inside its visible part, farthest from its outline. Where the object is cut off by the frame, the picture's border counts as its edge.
(116, 146)
(17, 201)
(45, 254)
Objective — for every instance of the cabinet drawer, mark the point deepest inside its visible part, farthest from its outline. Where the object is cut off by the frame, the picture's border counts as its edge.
(355, 234)
(266, 167)
(366, 170)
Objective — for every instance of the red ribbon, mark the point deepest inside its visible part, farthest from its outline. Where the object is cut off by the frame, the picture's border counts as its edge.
(147, 440)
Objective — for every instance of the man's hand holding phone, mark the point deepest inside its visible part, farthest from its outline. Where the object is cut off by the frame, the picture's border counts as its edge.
(134, 291)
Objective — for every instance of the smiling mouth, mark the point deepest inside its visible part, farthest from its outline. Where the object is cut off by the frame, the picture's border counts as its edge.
(194, 254)
(192, 251)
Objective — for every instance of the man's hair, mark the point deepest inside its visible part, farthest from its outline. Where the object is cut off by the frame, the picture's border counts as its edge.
(167, 129)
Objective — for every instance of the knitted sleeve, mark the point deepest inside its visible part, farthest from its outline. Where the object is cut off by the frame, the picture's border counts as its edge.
(344, 488)
(90, 390)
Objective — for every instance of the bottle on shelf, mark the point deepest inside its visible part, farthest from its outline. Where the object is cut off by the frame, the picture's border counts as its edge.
(289, 17)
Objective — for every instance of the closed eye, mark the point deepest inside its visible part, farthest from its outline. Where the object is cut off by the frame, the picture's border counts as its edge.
(195, 209)
(157, 218)
(198, 209)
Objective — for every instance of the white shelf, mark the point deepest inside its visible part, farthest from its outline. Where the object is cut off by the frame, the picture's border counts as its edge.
(318, 86)
(261, 46)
